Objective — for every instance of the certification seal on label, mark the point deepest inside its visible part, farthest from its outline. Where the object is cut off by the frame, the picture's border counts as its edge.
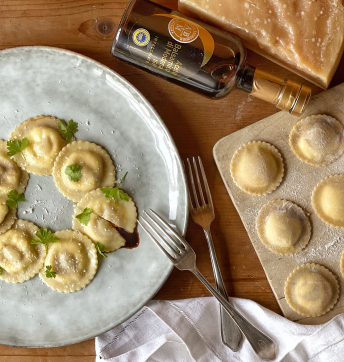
(141, 37)
(182, 30)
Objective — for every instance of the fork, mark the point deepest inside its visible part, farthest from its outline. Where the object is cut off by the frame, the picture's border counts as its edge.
(203, 215)
(180, 253)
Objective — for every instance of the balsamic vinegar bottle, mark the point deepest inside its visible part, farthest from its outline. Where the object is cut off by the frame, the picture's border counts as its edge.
(198, 56)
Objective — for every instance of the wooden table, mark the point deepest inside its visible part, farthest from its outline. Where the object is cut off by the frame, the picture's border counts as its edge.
(196, 123)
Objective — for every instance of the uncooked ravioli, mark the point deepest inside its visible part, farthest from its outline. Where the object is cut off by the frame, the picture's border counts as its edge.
(12, 177)
(311, 290)
(283, 227)
(74, 260)
(317, 140)
(97, 169)
(328, 200)
(19, 259)
(45, 143)
(257, 168)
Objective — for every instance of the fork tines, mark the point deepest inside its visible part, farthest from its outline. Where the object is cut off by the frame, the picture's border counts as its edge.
(169, 241)
(205, 182)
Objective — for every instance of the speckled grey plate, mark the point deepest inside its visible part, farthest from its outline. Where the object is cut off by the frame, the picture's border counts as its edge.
(112, 113)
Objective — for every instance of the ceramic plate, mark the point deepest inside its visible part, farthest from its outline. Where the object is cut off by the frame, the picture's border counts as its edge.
(112, 113)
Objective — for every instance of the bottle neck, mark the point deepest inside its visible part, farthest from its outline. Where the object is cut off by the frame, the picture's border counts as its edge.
(284, 94)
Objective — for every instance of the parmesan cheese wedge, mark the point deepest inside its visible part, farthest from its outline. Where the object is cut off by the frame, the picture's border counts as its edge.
(304, 36)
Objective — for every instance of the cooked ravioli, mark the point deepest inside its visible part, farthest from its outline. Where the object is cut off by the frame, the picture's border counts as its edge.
(99, 230)
(7, 217)
(12, 177)
(328, 200)
(120, 213)
(311, 290)
(317, 140)
(97, 169)
(20, 260)
(45, 143)
(257, 168)
(74, 260)
(283, 227)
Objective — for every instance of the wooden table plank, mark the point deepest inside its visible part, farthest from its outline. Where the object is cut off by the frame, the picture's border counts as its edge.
(196, 124)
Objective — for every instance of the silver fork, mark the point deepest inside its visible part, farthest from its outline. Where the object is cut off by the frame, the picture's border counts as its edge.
(203, 215)
(180, 253)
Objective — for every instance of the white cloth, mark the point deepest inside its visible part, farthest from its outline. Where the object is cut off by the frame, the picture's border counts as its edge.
(189, 330)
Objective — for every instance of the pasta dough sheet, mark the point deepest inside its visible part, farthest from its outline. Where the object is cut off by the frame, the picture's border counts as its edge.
(304, 36)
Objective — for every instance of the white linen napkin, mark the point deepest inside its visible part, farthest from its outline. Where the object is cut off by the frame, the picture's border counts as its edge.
(188, 330)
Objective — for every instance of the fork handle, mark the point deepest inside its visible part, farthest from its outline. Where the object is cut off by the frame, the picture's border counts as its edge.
(220, 285)
(264, 346)
(230, 334)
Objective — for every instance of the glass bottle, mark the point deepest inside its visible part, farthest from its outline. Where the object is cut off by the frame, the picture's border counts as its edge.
(198, 56)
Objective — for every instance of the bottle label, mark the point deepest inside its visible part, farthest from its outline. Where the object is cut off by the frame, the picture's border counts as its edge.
(170, 44)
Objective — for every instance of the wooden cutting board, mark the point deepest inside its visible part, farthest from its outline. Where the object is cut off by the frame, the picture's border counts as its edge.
(327, 243)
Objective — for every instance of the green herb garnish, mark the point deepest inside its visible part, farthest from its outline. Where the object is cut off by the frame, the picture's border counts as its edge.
(116, 193)
(84, 217)
(14, 198)
(74, 172)
(100, 247)
(67, 130)
(16, 146)
(45, 236)
(0, 271)
(49, 273)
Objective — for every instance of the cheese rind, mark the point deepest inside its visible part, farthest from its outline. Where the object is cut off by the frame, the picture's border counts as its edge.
(304, 36)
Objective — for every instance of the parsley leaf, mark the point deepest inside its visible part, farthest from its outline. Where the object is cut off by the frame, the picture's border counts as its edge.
(16, 146)
(100, 247)
(122, 179)
(14, 198)
(74, 172)
(116, 193)
(45, 236)
(49, 273)
(84, 217)
(0, 271)
(67, 130)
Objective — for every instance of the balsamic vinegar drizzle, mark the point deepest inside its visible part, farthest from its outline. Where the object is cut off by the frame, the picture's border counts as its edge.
(132, 240)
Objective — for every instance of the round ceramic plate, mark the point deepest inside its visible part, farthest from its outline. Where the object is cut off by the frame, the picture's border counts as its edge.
(112, 113)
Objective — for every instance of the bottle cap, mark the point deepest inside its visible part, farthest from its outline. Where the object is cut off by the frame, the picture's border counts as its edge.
(294, 98)
(284, 94)
(301, 101)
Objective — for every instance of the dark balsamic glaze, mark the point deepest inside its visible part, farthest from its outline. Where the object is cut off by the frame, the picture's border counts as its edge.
(132, 240)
